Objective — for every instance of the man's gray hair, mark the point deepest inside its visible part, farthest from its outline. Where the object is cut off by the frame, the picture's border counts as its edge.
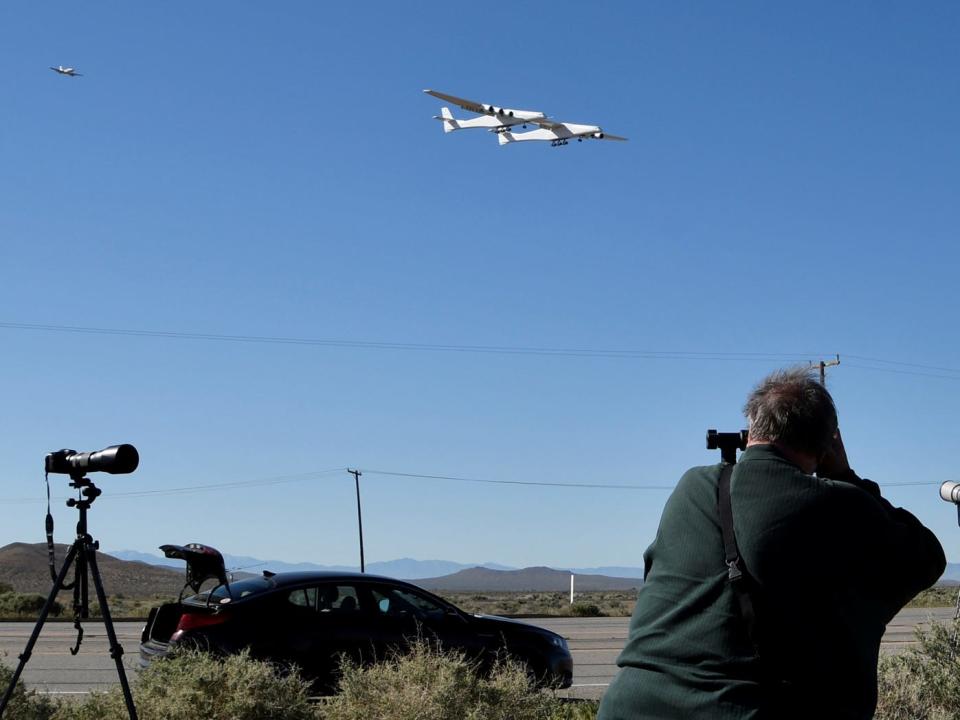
(792, 407)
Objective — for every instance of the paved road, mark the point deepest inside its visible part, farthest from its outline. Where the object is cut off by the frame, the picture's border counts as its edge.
(594, 642)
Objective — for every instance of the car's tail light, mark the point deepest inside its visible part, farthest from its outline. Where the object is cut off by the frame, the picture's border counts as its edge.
(192, 621)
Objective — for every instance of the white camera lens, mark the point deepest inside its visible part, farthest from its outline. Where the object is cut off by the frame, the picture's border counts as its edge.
(950, 491)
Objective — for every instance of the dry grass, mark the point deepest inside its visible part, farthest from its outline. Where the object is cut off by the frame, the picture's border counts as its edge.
(612, 603)
(924, 681)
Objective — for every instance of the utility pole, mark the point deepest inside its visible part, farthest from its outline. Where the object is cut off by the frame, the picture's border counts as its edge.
(356, 476)
(823, 368)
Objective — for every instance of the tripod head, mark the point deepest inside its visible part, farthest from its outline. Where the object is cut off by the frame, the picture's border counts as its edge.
(88, 491)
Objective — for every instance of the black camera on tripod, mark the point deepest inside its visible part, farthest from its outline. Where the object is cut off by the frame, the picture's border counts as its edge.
(116, 460)
(82, 555)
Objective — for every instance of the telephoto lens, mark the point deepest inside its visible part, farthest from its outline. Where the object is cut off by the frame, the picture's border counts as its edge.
(950, 491)
(116, 460)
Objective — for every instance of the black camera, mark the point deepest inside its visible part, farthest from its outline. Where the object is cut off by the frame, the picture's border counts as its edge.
(727, 443)
(116, 460)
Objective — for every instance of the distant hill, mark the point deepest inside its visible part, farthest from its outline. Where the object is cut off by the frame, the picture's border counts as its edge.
(24, 566)
(533, 579)
(951, 576)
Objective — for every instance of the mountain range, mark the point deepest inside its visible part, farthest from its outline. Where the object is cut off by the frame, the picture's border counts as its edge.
(532, 579)
(24, 567)
(403, 568)
(410, 569)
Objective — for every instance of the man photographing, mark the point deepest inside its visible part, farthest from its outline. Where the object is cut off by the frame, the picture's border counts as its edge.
(827, 563)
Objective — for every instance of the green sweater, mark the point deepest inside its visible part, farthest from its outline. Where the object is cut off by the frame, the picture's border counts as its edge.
(833, 562)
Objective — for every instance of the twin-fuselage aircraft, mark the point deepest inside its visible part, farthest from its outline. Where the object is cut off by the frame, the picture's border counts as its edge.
(66, 71)
(502, 121)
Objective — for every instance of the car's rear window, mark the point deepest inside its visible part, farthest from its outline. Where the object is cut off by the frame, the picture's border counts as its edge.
(238, 590)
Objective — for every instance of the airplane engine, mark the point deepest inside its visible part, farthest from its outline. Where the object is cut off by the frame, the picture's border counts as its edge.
(508, 113)
(598, 136)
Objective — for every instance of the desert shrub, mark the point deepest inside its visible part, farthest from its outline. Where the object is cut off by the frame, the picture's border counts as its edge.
(936, 596)
(577, 710)
(18, 605)
(585, 610)
(611, 603)
(193, 685)
(24, 704)
(924, 681)
(428, 684)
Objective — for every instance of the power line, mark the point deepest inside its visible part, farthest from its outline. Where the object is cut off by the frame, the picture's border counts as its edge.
(898, 371)
(186, 490)
(431, 347)
(602, 486)
(262, 482)
(904, 364)
(299, 477)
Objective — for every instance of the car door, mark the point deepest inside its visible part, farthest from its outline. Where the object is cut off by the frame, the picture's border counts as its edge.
(317, 625)
(404, 615)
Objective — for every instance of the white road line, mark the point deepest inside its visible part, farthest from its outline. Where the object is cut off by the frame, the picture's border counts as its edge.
(63, 692)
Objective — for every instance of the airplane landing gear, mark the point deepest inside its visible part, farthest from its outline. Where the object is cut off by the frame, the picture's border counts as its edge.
(557, 143)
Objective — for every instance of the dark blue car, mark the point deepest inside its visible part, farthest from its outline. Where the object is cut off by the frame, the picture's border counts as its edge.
(311, 619)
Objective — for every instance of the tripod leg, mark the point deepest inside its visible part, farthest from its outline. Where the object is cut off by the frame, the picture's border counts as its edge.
(116, 650)
(25, 655)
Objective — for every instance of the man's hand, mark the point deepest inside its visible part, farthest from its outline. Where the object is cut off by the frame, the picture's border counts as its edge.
(834, 462)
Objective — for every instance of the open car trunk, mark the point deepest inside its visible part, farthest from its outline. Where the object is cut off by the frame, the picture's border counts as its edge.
(203, 563)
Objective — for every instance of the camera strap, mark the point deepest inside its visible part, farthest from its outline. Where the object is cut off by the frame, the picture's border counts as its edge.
(51, 557)
(737, 574)
(51, 560)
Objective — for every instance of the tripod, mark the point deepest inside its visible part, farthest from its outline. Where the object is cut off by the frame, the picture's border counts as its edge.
(82, 553)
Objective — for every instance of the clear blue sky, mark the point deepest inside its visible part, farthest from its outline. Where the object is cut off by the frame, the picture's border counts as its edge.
(789, 191)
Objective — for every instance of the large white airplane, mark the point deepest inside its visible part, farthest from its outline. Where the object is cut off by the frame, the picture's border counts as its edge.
(66, 71)
(502, 120)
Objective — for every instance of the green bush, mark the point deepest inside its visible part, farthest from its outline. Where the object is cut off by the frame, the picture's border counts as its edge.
(428, 684)
(24, 704)
(924, 681)
(585, 610)
(937, 596)
(193, 685)
(18, 605)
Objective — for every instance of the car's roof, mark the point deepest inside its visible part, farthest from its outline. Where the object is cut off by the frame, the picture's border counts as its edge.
(305, 576)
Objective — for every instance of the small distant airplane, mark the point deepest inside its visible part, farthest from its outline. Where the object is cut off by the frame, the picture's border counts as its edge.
(66, 71)
(501, 120)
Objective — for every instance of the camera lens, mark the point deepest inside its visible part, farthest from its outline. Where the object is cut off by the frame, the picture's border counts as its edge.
(950, 491)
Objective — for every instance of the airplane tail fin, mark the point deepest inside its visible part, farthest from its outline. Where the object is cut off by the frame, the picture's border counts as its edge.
(449, 122)
(506, 137)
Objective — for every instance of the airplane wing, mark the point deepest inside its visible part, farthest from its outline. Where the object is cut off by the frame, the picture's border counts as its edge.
(469, 105)
(559, 127)
(482, 109)
(546, 123)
